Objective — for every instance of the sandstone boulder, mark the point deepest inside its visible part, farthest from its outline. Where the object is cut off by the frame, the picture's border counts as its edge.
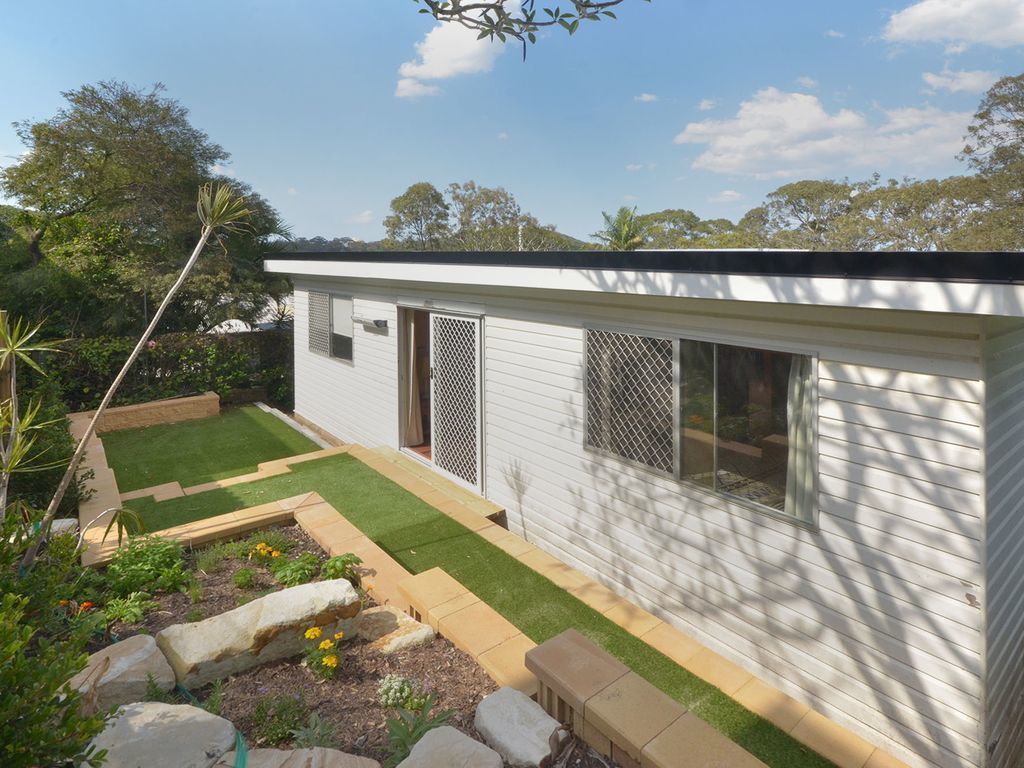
(517, 728)
(446, 747)
(119, 673)
(155, 735)
(388, 629)
(318, 757)
(266, 629)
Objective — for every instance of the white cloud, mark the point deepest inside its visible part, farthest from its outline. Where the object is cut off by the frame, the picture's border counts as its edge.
(960, 81)
(223, 170)
(777, 134)
(999, 23)
(727, 196)
(292, 191)
(448, 50)
(835, 33)
(408, 88)
(630, 198)
(502, 136)
(805, 81)
(706, 105)
(363, 217)
(955, 49)
(634, 167)
(646, 97)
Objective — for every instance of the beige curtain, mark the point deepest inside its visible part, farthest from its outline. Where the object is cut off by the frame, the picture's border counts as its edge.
(412, 411)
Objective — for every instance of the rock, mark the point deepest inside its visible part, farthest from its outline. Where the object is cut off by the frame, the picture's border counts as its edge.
(318, 757)
(517, 728)
(446, 747)
(120, 672)
(388, 629)
(155, 735)
(266, 629)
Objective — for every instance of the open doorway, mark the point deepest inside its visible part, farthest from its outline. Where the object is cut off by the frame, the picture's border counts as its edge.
(417, 437)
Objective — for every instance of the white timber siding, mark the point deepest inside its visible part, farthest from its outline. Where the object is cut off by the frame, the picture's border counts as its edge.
(871, 617)
(355, 401)
(1004, 549)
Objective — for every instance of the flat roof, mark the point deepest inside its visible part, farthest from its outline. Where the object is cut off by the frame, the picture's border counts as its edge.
(934, 266)
(971, 283)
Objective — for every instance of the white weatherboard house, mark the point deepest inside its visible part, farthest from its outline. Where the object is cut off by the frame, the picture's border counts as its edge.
(813, 463)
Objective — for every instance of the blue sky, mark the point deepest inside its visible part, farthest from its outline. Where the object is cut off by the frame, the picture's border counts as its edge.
(332, 108)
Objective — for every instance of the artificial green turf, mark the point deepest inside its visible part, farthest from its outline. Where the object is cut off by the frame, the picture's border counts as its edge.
(194, 452)
(421, 537)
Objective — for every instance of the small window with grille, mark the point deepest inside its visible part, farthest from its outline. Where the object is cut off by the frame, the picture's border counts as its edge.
(341, 327)
(320, 323)
(630, 399)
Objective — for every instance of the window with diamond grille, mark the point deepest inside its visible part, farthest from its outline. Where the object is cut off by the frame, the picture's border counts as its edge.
(630, 398)
(453, 357)
(320, 323)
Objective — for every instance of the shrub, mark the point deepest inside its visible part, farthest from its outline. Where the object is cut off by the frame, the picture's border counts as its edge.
(301, 570)
(272, 538)
(129, 610)
(148, 562)
(195, 591)
(342, 567)
(275, 717)
(409, 726)
(244, 578)
(315, 733)
(211, 559)
(42, 721)
(323, 654)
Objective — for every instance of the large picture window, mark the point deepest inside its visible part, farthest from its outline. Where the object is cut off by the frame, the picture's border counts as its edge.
(741, 419)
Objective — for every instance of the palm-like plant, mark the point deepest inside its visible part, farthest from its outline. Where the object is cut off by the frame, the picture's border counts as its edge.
(220, 210)
(625, 231)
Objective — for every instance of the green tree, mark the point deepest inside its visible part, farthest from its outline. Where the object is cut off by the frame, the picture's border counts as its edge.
(504, 19)
(625, 231)
(106, 198)
(419, 219)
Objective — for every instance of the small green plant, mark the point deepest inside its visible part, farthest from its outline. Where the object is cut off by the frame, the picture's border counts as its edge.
(244, 578)
(301, 570)
(271, 537)
(342, 567)
(275, 718)
(154, 692)
(317, 732)
(211, 559)
(323, 654)
(129, 610)
(394, 691)
(195, 591)
(195, 613)
(409, 726)
(215, 700)
(147, 562)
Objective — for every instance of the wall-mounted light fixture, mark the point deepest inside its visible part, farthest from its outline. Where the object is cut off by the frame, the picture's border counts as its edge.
(366, 322)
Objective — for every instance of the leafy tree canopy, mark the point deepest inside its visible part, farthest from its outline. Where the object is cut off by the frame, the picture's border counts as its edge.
(106, 196)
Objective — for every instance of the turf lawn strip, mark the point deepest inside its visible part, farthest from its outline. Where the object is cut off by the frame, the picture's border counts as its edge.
(198, 451)
(421, 537)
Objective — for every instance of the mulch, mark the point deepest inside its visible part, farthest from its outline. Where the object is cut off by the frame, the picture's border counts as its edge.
(349, 701)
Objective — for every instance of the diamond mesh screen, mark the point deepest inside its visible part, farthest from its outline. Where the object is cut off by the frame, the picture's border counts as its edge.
(455, 407)
(630, 397)
(319, 323)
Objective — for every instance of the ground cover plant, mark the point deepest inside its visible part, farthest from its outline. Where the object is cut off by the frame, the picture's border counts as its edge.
(194, 452)
(420, 537)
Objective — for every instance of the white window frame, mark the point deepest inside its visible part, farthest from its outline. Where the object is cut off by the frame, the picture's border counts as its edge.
(806, 518)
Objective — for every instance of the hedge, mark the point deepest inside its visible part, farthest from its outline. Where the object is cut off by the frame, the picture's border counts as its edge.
(175, 364)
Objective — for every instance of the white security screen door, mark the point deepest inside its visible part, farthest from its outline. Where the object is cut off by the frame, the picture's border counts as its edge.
(455, 396)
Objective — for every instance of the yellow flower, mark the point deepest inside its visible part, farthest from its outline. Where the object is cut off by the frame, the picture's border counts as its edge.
(275, 553)
(339, 635)
(367, 586)
(313, 633)
(326, 645)
(330, 660)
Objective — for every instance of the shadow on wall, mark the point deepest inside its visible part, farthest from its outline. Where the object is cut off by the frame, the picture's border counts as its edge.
(853, 604)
